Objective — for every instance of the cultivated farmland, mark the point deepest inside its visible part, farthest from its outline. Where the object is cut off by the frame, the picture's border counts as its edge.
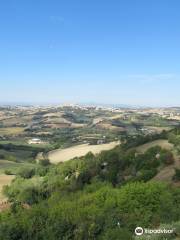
(62, 155)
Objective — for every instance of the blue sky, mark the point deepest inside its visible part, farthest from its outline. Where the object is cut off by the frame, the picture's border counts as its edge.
(118, 51)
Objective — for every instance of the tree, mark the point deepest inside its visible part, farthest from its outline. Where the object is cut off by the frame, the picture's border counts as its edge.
(27, 172)
(44, 162)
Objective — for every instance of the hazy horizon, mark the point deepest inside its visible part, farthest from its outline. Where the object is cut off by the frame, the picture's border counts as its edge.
(96, 104)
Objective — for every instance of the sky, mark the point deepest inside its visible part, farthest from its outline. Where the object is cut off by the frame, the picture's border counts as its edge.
(96, 51)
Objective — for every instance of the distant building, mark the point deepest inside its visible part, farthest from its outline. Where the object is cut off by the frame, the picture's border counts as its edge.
(100, 141)
(35, 141)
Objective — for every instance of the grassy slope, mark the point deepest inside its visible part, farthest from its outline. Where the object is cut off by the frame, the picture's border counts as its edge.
(161, 142)
(165, 174)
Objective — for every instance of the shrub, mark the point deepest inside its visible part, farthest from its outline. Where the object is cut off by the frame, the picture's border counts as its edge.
(167, 158)
(8, 172)
(42, 171)
(2, 156)
(11, 158)
(29, 195)
(44, 162)
(27, 172)
(177, 175)
(147, 175)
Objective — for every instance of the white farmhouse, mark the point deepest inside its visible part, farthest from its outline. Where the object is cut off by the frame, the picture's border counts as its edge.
(35, 141)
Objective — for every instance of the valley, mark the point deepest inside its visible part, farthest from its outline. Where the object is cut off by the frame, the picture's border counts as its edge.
(84, 163)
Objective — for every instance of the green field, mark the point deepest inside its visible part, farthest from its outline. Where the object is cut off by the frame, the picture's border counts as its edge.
(12, 166)
(11, 131)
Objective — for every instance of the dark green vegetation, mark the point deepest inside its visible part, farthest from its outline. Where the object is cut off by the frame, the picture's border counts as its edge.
(19, 153)
(14, 156)
(93, 197)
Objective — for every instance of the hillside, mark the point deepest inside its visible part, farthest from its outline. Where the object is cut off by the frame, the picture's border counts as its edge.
(71, 179)
(95, 197)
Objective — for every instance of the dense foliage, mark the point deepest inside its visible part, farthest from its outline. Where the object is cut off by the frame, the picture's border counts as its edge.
(95, 212)
(94, 197)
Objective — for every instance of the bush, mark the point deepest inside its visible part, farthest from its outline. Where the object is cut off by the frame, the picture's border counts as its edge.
(42, 171)
(2, 156)
(27, 172)
(44, 162)
(177, 175)
(11, 158)
(167, 158)
(117, 233)
(8, 172)
(29, 195)
(147, 175)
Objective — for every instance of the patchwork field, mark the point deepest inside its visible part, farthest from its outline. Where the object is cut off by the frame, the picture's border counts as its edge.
(62, 155)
